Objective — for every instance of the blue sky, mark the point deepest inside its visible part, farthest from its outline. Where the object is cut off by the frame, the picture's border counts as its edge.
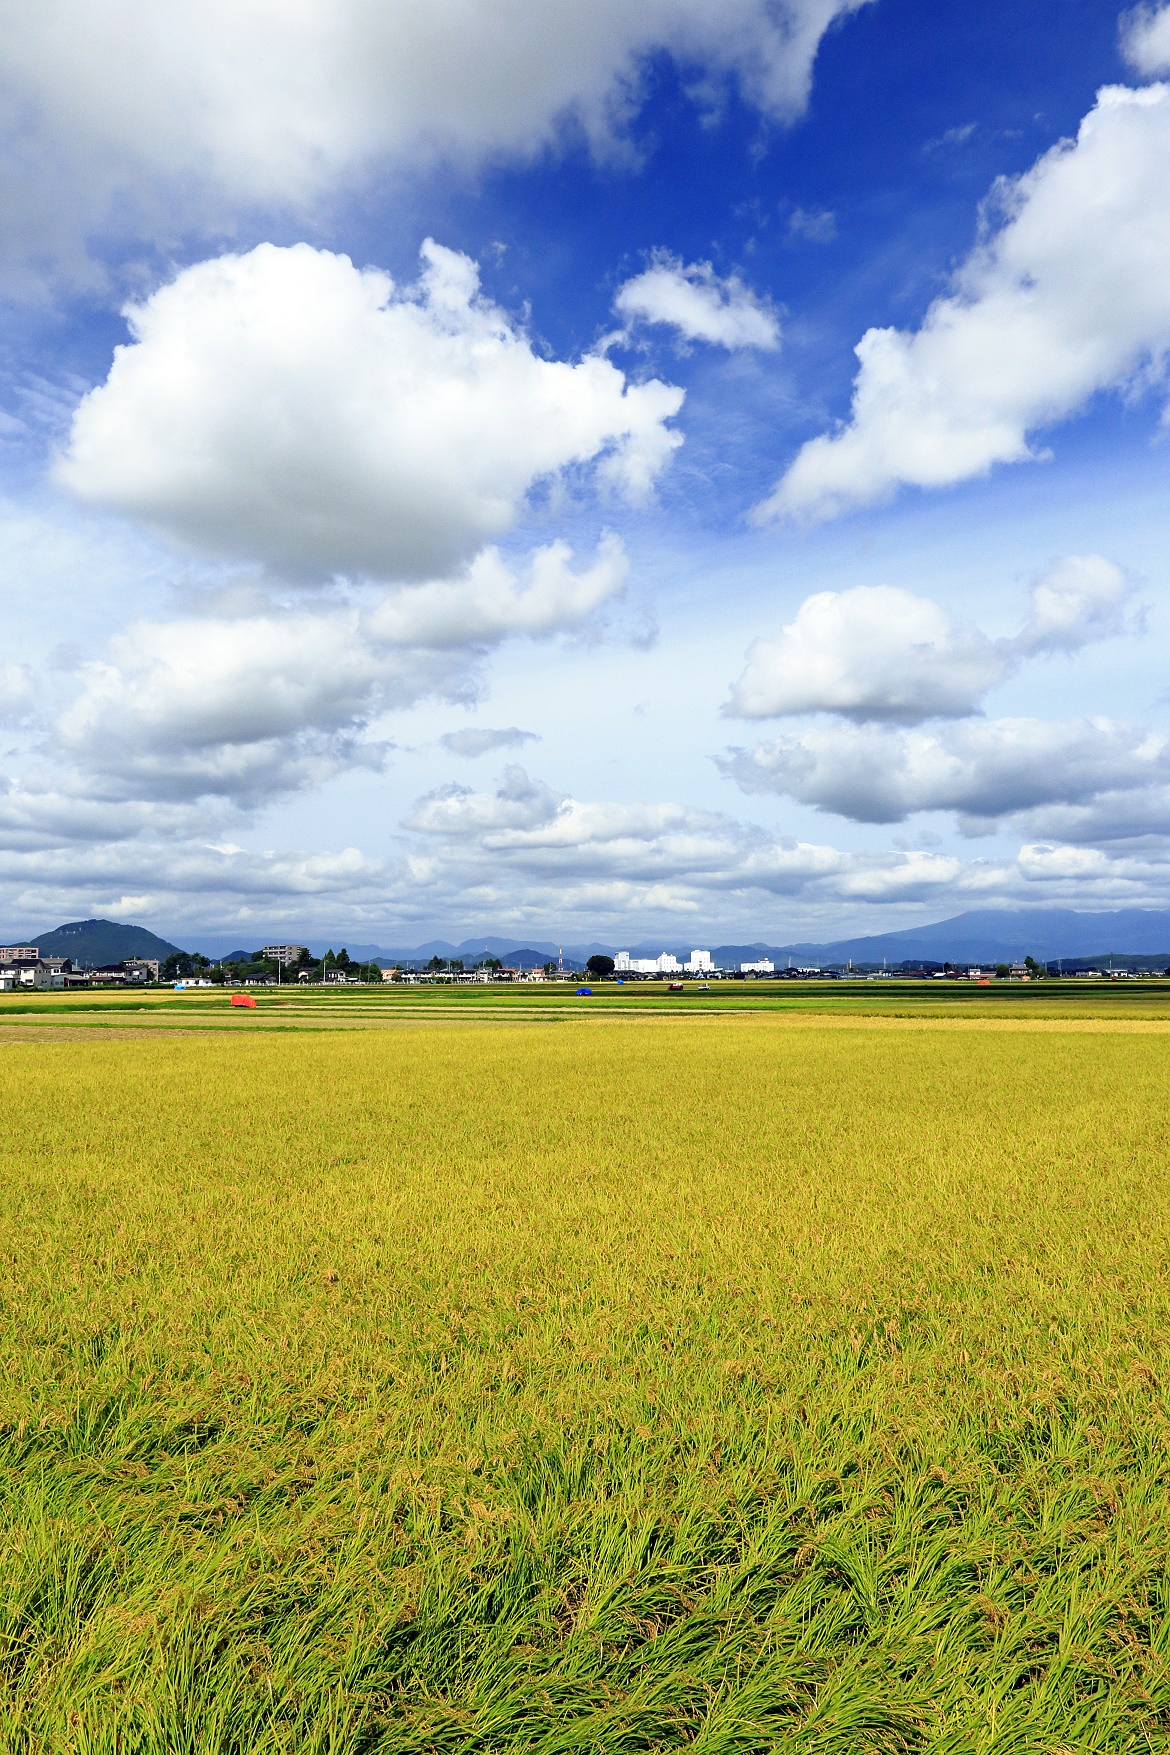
(577, 576)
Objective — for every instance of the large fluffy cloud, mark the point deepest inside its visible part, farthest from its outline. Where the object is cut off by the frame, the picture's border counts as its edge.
(145, 115)
(875, 652)
(247, 707)
(981, 769)
(1145, 39)
(287, 408)
(878, 652)
(1068, 297)
(700, 305)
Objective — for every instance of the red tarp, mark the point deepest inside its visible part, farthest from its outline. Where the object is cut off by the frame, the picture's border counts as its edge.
(243, 999)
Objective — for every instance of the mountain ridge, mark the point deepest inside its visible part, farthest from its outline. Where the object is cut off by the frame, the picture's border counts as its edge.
(101, 941)
(979, 935)
(976, 936)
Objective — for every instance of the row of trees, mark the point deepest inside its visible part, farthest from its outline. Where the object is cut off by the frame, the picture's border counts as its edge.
(456, 965)
(183, 964)
(599, 967)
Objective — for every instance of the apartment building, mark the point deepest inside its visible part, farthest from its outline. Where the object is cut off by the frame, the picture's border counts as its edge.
(285, 955)
(666, 963)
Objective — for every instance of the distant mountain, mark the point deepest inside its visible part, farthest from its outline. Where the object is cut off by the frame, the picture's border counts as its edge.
(101, 941)
(1002, 935)
(985, 935)
(524, 957)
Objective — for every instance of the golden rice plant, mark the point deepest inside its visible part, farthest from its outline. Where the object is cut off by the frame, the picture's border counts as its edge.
(741, 1385)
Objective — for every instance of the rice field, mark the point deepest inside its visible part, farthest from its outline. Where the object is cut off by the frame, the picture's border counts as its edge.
(412, 1373)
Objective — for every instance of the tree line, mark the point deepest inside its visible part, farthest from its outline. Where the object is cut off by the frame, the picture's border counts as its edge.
(182, 965)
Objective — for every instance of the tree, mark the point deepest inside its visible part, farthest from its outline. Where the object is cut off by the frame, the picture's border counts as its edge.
(601, 968)
(550, 968)
(1002, 972)
(1033, 967)
(178, 966)
(435, 964)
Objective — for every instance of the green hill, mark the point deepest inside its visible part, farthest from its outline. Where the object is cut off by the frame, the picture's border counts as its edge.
(101, 941)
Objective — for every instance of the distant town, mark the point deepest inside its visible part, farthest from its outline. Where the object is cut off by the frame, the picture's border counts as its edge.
(275, 965)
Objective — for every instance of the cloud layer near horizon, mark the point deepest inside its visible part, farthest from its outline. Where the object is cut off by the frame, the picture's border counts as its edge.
(492, 855)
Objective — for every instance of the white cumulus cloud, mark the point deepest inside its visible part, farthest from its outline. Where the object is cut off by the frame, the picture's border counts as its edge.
(1068, 296)
(145, 117)
(1081, 599)
(879, 652)
(876, 652)
(1145, 39)
(699, 304)
(247, 707)
(286, 408)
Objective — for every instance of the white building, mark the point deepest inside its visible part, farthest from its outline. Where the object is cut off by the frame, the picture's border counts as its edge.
(763, 967)
(286, 955)
(36, 975)
(666, 963)
(699, 963)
